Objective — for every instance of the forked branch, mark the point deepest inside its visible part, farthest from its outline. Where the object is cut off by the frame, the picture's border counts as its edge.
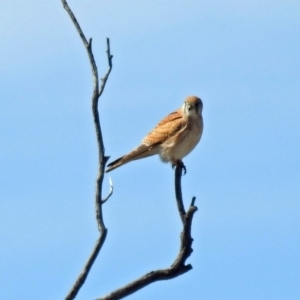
(178, 267)
(97, 92)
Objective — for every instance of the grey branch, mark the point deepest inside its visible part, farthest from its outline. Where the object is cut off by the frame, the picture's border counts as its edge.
(101, 151)
(178, 267)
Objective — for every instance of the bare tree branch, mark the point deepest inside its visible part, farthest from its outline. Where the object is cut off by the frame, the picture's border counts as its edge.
(178, 193)
(178, 267)
(97, 92)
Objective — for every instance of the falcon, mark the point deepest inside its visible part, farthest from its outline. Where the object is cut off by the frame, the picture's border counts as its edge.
(172, 139)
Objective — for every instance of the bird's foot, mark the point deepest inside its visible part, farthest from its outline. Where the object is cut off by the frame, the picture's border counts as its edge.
(179, 163)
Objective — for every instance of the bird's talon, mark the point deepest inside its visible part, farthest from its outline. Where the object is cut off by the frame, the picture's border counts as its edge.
(179, 164)
(182, 166)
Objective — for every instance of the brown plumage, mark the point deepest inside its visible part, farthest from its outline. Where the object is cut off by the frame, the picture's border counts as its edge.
(173, 138)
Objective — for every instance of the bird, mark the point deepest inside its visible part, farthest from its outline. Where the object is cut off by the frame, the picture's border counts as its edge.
(172, 139)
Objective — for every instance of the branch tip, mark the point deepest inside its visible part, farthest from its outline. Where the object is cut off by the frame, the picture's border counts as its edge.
(105, 159)
(90, 43)
(193, 201)
(111, 190)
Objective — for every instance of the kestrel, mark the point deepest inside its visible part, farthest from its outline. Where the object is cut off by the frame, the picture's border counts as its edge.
(172, 139)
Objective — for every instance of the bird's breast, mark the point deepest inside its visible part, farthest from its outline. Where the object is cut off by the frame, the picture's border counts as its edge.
(183, 143)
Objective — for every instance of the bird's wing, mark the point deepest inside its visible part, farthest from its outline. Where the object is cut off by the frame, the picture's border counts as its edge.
(168, 127)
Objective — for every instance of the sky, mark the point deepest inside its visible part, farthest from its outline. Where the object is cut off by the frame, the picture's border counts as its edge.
(241, 57)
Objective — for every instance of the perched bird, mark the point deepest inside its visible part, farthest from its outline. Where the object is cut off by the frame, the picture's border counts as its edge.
(172, 139)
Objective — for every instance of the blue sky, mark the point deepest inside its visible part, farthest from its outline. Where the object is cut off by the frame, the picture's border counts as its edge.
(241, 57)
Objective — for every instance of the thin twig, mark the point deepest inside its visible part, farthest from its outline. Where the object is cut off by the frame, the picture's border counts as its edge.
(101, 151)
(178, 267)
(109, 58)
(111, 190)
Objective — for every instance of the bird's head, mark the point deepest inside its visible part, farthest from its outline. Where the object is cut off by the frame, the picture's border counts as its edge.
(192, 106)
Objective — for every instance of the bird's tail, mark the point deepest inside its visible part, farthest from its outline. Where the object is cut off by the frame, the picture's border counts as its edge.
(138, 153)
(115, 164)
